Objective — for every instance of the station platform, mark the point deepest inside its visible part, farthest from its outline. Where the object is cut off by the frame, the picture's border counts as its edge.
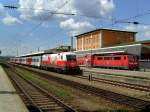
(9, 99)
(126, 73)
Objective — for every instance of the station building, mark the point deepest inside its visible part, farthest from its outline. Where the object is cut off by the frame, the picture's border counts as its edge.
(101, 38)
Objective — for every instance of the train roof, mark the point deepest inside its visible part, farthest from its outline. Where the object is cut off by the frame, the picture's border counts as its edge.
(42, 53)
(32, 54)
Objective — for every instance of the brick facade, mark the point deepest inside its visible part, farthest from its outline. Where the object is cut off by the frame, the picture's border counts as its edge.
(103, 38)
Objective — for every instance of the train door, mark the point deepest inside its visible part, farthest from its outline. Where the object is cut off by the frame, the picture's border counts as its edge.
(133, 62)
(125, 61)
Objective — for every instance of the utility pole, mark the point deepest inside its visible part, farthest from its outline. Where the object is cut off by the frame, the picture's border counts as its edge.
(71, 43)
(38, 49)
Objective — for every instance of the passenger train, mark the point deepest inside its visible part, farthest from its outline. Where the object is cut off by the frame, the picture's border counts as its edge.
(63, 62)
(69, 62)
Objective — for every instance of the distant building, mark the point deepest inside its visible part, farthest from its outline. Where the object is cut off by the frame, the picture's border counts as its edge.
(101, 38)
(61, 48)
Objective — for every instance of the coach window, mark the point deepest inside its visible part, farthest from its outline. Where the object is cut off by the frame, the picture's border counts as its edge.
(107, 58)
(99, 58)
(117, 58)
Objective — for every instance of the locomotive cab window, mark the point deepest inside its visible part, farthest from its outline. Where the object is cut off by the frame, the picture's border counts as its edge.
(71, 57)
(130, 57)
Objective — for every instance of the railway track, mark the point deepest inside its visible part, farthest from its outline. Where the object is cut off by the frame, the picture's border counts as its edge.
(116, 83)
(108, 95)
(38, 97)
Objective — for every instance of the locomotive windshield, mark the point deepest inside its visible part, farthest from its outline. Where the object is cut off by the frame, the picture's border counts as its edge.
(71, 57)
(133, 57)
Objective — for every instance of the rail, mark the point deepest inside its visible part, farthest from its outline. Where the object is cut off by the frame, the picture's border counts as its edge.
(108, 95)
(37, 96)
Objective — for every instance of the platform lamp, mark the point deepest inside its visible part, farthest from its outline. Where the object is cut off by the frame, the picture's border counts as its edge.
(91, 39)
(71, 41)
(71, 48)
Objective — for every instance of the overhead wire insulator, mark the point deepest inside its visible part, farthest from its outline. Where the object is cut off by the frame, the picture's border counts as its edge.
(136, 23)
(10, 7)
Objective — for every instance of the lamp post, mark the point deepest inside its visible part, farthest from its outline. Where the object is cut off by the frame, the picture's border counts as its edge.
(91, 53)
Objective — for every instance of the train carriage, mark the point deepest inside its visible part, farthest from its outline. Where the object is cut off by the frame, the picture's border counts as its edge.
(36, 61)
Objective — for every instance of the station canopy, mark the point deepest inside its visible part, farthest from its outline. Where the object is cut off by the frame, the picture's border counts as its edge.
(136, 49)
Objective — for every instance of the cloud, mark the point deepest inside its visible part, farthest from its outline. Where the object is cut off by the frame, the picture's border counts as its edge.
(42, 12)
(10, 20)
(96, 8)
(76, 27)
(143, 29)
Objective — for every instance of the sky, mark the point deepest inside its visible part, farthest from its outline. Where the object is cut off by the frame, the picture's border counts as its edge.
(44, 24)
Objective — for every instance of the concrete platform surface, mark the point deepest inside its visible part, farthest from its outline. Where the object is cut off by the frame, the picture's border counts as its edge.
(138, 74)
(9, 99)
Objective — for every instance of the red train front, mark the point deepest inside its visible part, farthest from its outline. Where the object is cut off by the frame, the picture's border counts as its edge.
(63, 62)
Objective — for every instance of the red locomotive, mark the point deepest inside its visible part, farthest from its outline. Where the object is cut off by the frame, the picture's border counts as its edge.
(63, 62)
(125, 61)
